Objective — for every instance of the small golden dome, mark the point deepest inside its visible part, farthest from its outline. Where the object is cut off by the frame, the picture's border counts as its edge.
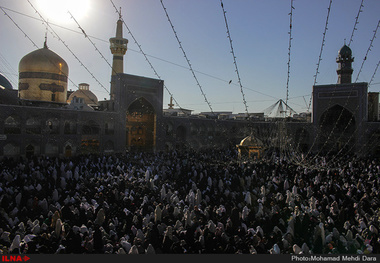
(85, 93)
(251, 141)
(43, 60)
(43, 76)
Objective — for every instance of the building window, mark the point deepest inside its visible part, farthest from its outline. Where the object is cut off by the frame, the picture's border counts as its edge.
(69, 127)
(33, 126)
(12, 126)
(52, 126)
(53, 97)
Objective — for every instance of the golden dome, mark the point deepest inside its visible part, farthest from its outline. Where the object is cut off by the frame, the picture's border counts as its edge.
(43, 60)
(85, 93)
(43, 76)
(251, 141)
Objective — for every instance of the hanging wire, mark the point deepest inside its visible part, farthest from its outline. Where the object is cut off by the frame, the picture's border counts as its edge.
(352, 136)
(146, 56)
(356, 22)
(63, 42)
(374, 73)
(86, 36)
(234, 58)
(368, 50)
(6, 68)
(35, 45)
(320, 53)
(289, 52)
(141, 52)
(38, 19)
(89, 39)
(187, 59)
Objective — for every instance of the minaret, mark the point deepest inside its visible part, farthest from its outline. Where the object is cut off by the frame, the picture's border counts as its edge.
(171, 103)
(344, 61)
(118, 46)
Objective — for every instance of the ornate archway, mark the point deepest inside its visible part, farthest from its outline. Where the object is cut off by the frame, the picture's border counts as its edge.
(141, 126)
(29, 151)
(337, 130)
(68, 150)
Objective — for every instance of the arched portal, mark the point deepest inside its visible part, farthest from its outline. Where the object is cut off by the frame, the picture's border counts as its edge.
(337, 129)
(29, 151)
(141, 126)
(68, 150)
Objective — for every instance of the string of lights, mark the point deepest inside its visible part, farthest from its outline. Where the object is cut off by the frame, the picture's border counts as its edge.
(318, 134)
(143, 53)
(6, 68)
(89, 39)
(289, 52)
(368, 50)
(234, 58)
(315, 81)
(35, 45)
(186, 57)
(368, 142)
(145, 56)
(52, 31)
(92, 42)
(374, 73)
(321, 50)
(356, 22)
(5, 13)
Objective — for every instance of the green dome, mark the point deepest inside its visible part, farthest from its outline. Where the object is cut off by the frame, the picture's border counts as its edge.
(4, 83)
(345, 51)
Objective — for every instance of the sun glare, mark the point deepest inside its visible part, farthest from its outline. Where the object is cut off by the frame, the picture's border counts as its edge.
(58, 10)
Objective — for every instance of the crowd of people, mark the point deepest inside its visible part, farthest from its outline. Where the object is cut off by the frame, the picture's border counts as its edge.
(187, 202)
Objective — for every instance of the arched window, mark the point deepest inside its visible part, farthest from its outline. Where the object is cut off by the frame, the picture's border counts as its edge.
(52, 126)
(90, 128)
(12, 125)
(11, 149)
(33, 126)
(70, 127)
(29, 151)
(68, 150)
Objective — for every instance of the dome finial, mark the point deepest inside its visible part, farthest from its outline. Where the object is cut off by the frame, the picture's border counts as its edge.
(45, 43)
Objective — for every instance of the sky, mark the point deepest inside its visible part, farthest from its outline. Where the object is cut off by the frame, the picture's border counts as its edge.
(260, 38)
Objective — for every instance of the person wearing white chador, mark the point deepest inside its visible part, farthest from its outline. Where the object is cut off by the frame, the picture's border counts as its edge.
(150, 250)
(157, 214)
(247, 198)
(15, 243)
(133, 250)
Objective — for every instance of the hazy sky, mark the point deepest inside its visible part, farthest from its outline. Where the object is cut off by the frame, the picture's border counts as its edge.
(259, 30)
